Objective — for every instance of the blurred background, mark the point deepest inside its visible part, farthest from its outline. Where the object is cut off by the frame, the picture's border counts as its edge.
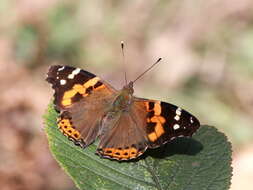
(207, 68)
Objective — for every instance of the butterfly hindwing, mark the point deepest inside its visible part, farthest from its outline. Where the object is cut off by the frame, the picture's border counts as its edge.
(123, 138)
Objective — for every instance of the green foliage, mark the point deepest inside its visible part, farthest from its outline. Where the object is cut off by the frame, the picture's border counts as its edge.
(25, 45)
(65, 33)
(201, 162)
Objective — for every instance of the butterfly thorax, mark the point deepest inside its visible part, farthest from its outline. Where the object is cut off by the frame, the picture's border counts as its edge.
(124, 98)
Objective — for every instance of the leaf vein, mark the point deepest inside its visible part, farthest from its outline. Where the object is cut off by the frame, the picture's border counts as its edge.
(155, 178)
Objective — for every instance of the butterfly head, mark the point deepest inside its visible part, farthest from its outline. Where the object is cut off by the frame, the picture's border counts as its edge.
(129, 88)
(124, 99)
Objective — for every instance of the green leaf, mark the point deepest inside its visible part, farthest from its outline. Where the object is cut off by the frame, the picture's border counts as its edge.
(201, 162)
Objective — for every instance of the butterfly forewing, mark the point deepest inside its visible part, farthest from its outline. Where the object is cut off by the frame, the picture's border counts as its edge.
(63, 79)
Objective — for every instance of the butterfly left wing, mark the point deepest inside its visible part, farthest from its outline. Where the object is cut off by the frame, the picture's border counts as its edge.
(82, 99)
(165, 121)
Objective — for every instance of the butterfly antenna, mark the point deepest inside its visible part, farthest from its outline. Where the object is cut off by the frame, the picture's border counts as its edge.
(158, 60)
(124, 61)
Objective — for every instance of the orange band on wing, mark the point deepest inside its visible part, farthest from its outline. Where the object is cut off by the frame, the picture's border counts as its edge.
(91, 82)
(120, 154)
(156, 119)
(84, 90)
(68, 129)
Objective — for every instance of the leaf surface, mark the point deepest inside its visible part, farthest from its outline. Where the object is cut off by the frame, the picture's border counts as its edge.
(201, 162)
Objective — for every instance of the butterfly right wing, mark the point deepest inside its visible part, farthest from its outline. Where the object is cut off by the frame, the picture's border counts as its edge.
(165, 122)
(147, 124)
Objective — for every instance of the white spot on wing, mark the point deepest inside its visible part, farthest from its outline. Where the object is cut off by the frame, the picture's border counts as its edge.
(176, 126)
(62, 82)
(177, 117)
(74, 72)
(71, 76)
(191, 120)
(178, 111)
(61, 68)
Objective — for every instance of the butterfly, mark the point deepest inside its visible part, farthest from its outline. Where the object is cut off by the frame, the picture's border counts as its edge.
(90, 108)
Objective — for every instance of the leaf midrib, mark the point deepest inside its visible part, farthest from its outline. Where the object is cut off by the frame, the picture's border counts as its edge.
(154, 177)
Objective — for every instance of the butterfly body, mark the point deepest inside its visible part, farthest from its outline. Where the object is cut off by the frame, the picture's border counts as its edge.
(125, 98)
(89, 109)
